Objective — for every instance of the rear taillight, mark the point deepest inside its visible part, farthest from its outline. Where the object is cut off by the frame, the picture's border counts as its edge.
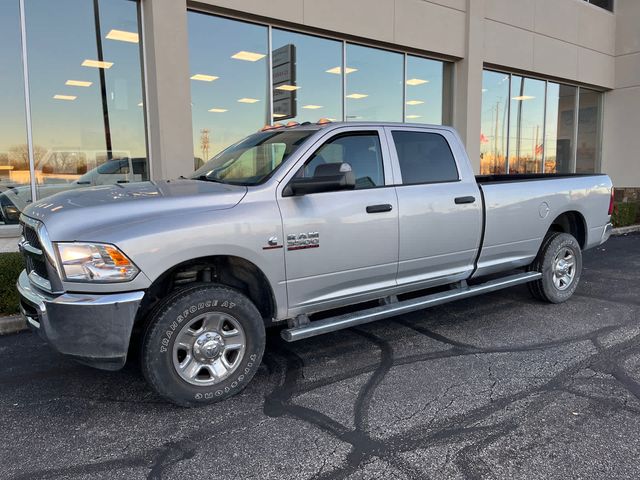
(611, 203)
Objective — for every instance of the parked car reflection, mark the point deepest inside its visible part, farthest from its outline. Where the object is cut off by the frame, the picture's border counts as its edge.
(15, 196)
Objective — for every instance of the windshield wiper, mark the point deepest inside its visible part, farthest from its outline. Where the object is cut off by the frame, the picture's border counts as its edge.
(207, 179)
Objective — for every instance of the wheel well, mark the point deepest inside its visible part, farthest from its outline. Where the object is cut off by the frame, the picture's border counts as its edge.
(234, 272)
(572, 223)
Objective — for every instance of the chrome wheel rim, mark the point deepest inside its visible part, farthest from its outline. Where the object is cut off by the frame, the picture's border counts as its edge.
(209, 348)
(564, 268)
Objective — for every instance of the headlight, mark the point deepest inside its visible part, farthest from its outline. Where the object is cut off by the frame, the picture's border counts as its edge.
(95, 262)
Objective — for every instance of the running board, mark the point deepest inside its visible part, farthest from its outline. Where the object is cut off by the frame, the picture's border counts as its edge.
(384, 311)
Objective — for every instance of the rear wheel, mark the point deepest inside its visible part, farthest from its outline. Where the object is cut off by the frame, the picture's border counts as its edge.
(203, 345)
(560, 262)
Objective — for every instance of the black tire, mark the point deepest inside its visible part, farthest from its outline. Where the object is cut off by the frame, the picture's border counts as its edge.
(168, 323)
(554, 245)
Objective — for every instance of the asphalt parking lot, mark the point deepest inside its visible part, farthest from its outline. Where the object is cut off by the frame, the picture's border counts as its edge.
(499, 386)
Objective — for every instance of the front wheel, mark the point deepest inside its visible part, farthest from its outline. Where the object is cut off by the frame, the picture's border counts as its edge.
(204, 344)
(560, 262)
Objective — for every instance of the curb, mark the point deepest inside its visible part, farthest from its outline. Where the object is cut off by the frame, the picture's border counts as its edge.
(625, 230)
(12, 324)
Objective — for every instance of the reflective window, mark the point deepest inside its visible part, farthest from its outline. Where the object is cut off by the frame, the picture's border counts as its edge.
(424, 158)
(361, 151)
(588, 147)
(374, 84)
(495, 118)
(424, 91)
(606, 4)
(86, 90)
(15, 191)
(229, 82)
(526, 125)
(229, 69)
(559, 128)
(538, 141)
(307, 80)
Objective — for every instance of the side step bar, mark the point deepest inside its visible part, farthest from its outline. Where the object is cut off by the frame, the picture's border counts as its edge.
(384, 311)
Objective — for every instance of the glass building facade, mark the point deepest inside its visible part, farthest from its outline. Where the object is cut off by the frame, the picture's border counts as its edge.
(529, 125)
(245, 75)
(72, 95)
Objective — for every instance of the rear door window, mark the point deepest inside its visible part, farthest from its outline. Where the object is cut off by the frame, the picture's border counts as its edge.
(424, 157)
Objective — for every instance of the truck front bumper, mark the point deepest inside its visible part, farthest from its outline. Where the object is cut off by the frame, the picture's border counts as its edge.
(91, 328)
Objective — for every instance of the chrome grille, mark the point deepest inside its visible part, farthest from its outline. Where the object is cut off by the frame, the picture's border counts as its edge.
(31, 236)
(35, 258)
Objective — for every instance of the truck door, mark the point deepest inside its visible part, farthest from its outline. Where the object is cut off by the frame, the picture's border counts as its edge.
(341, 245)
(439, 204)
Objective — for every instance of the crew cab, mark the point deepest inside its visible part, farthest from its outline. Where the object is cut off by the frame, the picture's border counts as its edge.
(288, 223)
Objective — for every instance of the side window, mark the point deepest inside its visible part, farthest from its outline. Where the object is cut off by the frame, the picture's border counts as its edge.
(424, 158)
(361, 150)
(140, 167)
(114, 167)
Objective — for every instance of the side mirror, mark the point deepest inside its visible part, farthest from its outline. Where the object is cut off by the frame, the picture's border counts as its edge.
(329, 177)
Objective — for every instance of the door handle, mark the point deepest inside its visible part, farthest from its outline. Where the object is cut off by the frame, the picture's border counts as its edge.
(469, 199)
(384, 207)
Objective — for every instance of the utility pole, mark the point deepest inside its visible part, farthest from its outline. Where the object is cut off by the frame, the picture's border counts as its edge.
(204, 144)
(495, 139)
(535, 149)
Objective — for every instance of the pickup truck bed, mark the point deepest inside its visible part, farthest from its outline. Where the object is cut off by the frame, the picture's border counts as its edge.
(508, 240)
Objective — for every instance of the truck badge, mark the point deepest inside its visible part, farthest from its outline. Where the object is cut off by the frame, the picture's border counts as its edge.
(303, 240)
(272, 243)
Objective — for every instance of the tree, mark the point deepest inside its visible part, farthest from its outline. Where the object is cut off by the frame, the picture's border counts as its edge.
(18, 156)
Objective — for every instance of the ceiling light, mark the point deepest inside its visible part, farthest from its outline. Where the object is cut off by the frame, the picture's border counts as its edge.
(248, 56)
(338, 70)
(65, 97)
(413, 116)
(416, 81)
(523, 97)
(484, 90)
(78, 83)
(217, 110)
(140, 104)
(312, 107)
(279, 115)
(357, 96)
(248, 100)
(204, 78)
(287, 88)
(97, 64)
(414, 102)
(123, 36)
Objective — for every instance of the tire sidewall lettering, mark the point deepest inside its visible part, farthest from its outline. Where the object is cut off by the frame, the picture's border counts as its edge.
(164, 343)
(235, 384)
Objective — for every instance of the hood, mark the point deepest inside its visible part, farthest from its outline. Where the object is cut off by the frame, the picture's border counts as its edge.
(92, 209)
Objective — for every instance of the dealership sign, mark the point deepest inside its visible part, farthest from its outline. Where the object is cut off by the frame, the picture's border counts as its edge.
(284, 74)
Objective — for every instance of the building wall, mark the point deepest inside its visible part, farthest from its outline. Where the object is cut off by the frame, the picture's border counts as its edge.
(621, 127)
(569, 40)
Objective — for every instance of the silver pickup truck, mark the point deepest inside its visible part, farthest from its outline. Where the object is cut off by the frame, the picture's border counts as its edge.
(288, 223)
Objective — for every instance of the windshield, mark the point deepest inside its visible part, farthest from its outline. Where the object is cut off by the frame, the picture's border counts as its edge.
(254, 159)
